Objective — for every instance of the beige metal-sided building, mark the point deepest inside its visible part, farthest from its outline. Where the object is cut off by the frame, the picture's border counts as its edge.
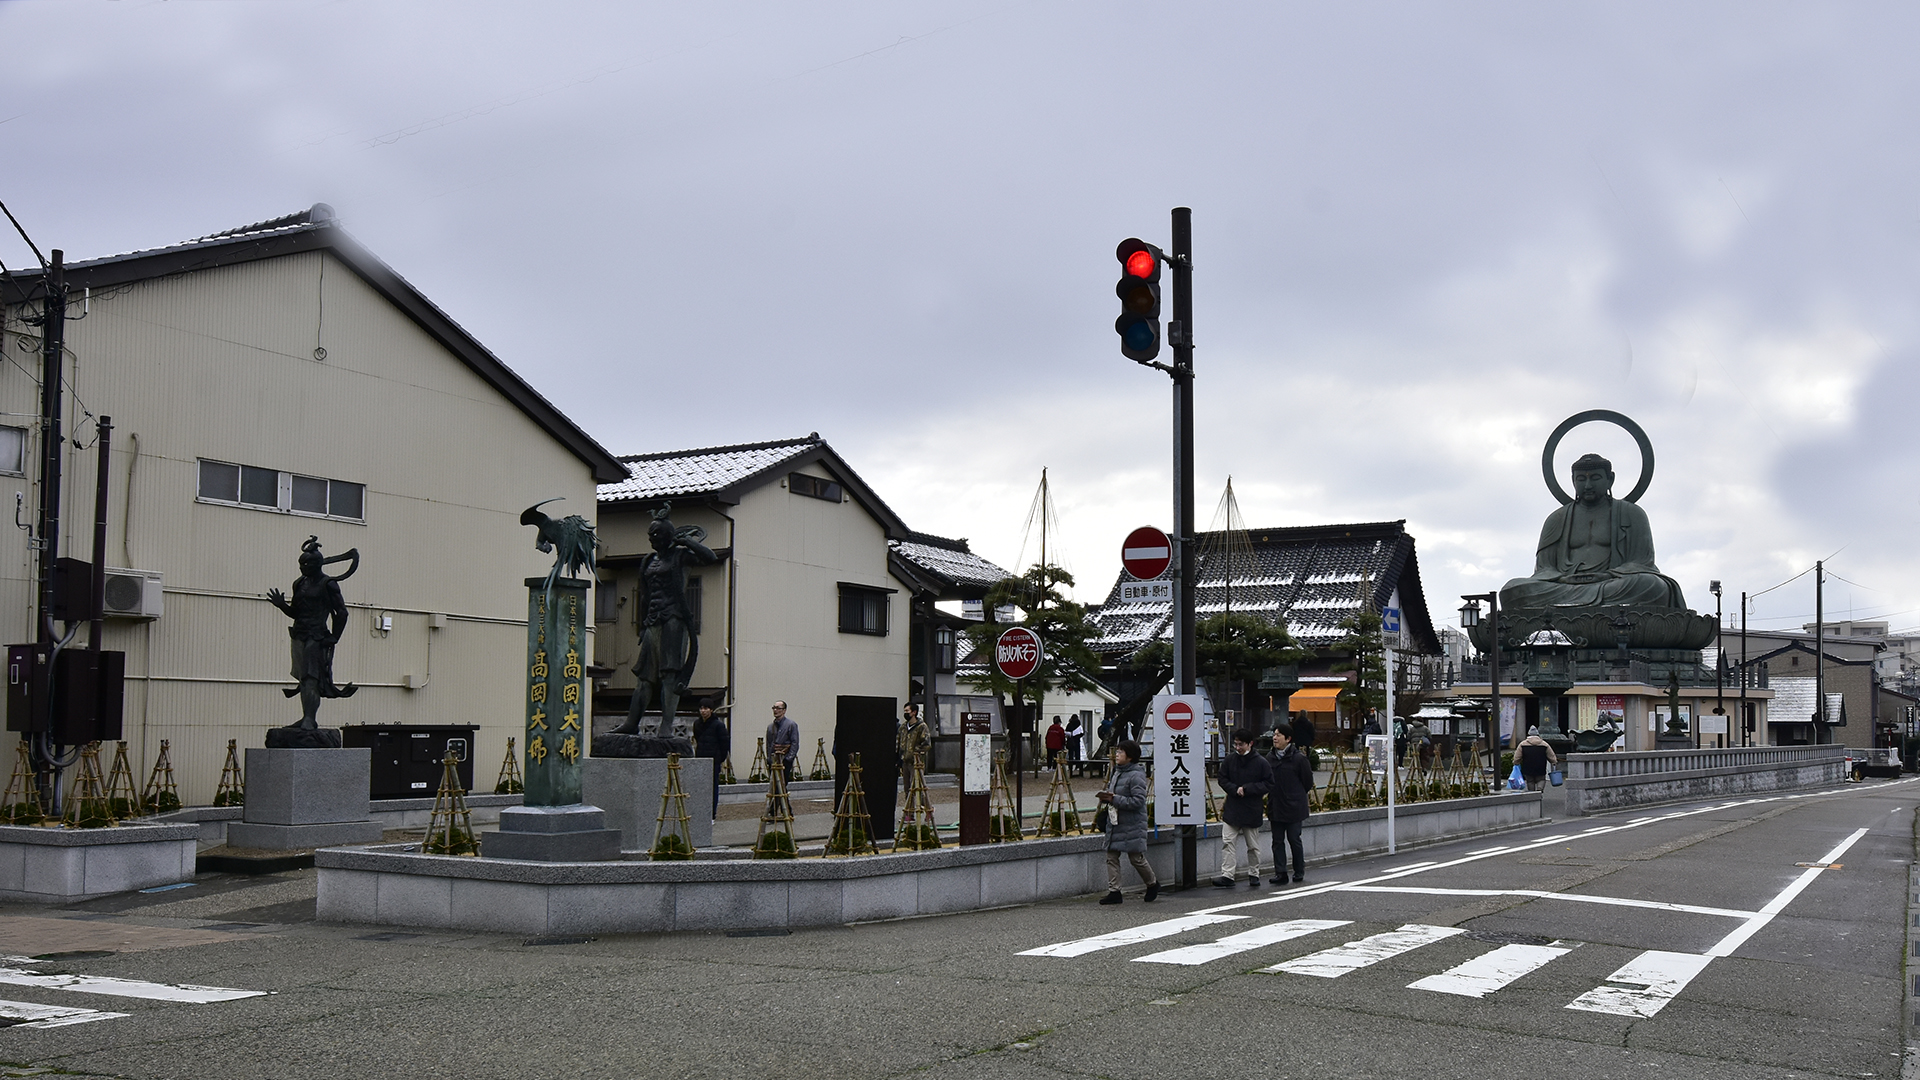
(266, 384)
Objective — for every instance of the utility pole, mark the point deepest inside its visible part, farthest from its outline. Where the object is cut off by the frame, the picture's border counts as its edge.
(1820, 651)
(53, 333)
(1744, 734)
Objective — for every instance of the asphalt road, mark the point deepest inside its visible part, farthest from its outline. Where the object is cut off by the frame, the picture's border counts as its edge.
(1757, 939)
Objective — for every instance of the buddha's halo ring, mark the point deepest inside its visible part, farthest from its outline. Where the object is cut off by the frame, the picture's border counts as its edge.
(1625, 423)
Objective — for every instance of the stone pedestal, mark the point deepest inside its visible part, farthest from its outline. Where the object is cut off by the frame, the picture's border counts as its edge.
(575, 833)
(307, 798)
(629, 789)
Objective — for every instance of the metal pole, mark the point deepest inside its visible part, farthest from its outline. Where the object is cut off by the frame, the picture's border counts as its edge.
(1819, 649)
(1393, 763)
(1744, 738)
(99, 590)
(53, 327)
(1493, 709)
(1180, 335)
(1719, 658)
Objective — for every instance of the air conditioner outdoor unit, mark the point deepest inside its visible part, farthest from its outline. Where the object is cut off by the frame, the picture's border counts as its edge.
(133, 594)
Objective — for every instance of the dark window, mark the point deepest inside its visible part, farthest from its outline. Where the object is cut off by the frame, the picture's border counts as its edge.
(943, 659)
(259, 487)
(606, 601)
(271, 489)
(309, 495)
(863, 611)
(219, 480)
(694, 600)
(814, 487)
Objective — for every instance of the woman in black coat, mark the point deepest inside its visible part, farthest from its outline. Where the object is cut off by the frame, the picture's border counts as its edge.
(1287, 804)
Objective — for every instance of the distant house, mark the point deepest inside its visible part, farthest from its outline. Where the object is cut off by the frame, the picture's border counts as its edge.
(1310, 578)
(268, 383)
(825, 600)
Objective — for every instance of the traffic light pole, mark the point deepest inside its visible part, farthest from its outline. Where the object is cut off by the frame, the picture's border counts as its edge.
(1180, 336)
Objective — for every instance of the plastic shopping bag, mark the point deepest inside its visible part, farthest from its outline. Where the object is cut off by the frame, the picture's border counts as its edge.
(1514, 780)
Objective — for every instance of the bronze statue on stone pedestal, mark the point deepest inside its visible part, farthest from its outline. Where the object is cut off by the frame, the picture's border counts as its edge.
(319, 615)
(669, 648)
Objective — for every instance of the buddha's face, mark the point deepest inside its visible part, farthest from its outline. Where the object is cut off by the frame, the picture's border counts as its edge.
(1591, 485)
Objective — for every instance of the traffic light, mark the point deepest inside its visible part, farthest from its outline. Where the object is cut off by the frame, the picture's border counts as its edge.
(1139, 293)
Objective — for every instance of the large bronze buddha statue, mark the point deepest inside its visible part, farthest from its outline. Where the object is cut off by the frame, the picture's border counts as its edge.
(1596, 551)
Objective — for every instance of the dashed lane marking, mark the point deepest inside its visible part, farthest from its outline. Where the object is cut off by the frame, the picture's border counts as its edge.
(1247, 940)
(1132, 935)
(1366, 952)
(1657, 978)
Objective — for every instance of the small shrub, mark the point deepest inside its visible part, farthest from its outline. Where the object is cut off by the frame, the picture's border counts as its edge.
(455, 841)
(93, 816)
(1060, 821)
(917, 838)
(23, 813)
(757, 778)
(846, 839)
(165, 802)
(230, 798)
(672, 848)
(1003, 827)
(509, 787)
(122, 808)
(775, 845)
(819, 774)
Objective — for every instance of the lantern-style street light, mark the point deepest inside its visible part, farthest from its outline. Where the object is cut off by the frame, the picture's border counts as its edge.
(1470, 618)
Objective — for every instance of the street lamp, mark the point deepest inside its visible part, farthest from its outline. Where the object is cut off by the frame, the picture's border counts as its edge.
(1470, 618)
(1719, 666)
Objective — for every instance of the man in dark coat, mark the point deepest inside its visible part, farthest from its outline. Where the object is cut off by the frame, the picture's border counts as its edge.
(1287, 804)
(1303, 733)
(712, 740)
(1246, 777)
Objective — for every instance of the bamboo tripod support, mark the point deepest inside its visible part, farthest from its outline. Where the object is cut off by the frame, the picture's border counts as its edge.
(1003, 820)
(1060, 817)
(509, 782)
(86, 806)
(775, 840)
(852, 826)
(23, 805)
(122, 797)
(233, 782)
(757, 772)
(450, 829)
(916, 831)
(822, 768)
(672, 829)
(161, 795)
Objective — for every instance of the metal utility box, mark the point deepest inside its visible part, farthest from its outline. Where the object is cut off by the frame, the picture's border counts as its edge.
(29, 670)
(88, 692)
(407, 757)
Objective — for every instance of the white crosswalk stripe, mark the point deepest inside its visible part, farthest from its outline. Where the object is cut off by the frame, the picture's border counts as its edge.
(28, 1015)
(1492, 971)
(1132, 935)
(1657, 978)
(1354, 955)
(1242, 942)
(184, 993)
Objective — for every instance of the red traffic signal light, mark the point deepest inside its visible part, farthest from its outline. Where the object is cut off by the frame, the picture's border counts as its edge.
(1139, 293)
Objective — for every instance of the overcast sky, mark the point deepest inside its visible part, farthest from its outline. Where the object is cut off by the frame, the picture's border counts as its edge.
(1424, 235)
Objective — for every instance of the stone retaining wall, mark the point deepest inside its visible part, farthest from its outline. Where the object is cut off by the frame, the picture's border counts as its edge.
(1596, 783)
(394, 885)
(56, 866)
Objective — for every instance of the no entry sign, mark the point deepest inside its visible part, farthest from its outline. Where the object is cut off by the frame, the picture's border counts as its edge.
(1146, 553)
(1179, 715)
(1017, 653)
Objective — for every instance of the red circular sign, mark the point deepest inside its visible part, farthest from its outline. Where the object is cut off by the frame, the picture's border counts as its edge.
(1179, 716)
(1146, 553)
(1017, 653)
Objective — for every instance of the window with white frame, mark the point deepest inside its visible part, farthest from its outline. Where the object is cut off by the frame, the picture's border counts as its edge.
(290, 493)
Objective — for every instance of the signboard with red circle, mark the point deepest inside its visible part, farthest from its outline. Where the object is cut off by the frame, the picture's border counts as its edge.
(1146, 553)
(1017, 653)
(1179, 716)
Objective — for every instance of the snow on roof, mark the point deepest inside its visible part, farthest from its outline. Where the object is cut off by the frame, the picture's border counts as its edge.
(703, 471)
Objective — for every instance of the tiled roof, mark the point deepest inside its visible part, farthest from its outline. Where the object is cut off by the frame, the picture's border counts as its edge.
(1312, 576)
(950, 560)
(681, 473)
(1793, 701)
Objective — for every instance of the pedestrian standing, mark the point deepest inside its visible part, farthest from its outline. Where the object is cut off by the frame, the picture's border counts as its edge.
(1056, 742)
(1126, 800)
(1303, 733)
(1246, 777)
(1287, 806)
(1075, 734)
(713, 741)
(783, 740)
(913, 739)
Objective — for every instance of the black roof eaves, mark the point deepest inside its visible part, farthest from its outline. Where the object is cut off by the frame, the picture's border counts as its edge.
(923, 581)
(220, 251)
(662, 455)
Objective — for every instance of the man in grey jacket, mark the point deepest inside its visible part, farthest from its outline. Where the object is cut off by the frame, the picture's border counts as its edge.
(783, 740)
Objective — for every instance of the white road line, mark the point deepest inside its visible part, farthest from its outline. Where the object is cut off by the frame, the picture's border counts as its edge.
(1354, 955)
(1242, 942)
(1658, 977)
(1132, 935)
(1582, 898)
(1779, 903)
(133, 988)
(1482, 975)
(50, 1016)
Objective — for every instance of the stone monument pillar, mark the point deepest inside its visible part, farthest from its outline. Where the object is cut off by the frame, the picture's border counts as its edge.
(554, 825)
